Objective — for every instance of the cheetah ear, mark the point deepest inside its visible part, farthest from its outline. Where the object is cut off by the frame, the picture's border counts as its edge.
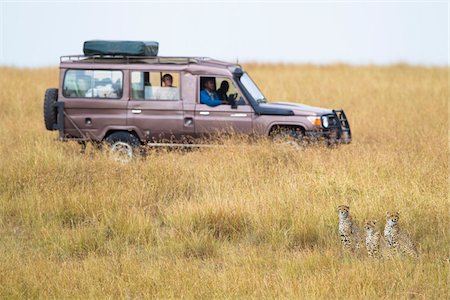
(387, 213)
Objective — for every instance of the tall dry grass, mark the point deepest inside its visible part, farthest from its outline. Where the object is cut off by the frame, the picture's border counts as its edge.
(243, 221)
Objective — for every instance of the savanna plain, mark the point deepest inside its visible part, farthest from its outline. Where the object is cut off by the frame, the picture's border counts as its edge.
(250, 220)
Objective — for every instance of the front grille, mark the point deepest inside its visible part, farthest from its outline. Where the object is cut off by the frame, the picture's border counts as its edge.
(344, 127)
(333, 121)
(338, 128)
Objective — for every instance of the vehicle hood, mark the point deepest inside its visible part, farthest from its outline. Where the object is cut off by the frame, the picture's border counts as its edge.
(297, 108)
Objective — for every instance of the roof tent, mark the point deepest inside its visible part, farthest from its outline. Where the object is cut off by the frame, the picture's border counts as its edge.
(123, 48)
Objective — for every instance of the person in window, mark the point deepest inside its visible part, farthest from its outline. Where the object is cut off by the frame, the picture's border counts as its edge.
(207, 95)
(168, 91)
(167, 80)
(223, 90)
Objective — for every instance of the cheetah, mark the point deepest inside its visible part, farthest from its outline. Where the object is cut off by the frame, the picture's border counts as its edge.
(372, 239)
(348, 229)
(396, 239)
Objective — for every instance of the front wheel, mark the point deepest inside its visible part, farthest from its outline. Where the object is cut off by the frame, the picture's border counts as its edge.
(123, 146)
(292, 136)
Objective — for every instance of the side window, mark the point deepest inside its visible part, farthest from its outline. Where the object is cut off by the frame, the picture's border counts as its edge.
(155, 85)
(223, 89)
(107, 84)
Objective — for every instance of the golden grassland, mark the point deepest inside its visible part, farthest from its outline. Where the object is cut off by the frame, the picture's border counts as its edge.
(243, 221)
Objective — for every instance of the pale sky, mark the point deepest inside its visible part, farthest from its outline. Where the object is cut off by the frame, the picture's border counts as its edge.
(37, 33)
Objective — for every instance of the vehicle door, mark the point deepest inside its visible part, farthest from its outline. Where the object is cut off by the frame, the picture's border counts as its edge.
(93, 99)
(226, 117)
(155, 108)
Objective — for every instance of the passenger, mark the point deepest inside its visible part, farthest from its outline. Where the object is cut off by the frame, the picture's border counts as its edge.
(223, 90)
(168, 91)
(207, 95)
(167, 80)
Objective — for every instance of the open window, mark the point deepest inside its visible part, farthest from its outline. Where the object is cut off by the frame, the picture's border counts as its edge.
(225, 90)
(155, 85)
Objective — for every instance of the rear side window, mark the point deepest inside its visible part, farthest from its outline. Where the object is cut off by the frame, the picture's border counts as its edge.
(107, 84)
(155, 85)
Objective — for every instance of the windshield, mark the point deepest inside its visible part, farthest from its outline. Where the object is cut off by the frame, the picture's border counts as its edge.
(251, 87)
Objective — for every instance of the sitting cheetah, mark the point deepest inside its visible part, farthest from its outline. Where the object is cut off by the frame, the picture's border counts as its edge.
(372, 239)
(348, 229)
(396, 239)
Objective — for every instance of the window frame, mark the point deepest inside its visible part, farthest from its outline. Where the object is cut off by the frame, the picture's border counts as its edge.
(93, 70)
(130, 90)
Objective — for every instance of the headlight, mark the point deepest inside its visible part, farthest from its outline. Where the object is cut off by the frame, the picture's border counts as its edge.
(314, 120)
(325, 122)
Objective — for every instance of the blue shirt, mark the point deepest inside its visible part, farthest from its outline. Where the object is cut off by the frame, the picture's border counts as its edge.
(205, 98)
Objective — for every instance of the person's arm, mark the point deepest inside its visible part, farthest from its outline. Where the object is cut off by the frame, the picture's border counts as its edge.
(206, 99)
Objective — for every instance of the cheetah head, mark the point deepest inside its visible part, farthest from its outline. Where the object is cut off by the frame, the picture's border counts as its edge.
(343, 211)
(370, 225)
(392, 218)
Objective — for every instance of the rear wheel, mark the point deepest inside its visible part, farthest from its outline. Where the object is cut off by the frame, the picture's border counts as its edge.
(123, 146)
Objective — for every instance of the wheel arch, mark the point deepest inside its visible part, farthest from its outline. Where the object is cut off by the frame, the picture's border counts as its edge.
(130, 129)
(110, 131)
(277, 125)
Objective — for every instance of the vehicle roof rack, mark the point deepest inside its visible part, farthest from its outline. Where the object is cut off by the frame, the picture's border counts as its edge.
(133, 59)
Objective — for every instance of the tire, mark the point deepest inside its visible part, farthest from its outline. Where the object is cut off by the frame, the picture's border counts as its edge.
(123, 146)
(50, 113)
(288, 135)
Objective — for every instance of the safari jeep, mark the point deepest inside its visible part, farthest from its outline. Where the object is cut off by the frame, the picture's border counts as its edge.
(123, 94)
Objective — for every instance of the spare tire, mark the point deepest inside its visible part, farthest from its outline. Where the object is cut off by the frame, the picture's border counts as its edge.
(50, 112)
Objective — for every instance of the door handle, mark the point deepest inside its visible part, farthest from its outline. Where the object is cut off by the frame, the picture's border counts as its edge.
(238, 115)
(205, 113)
(136, 111)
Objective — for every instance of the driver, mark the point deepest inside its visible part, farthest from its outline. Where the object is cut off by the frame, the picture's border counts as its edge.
(223, 90)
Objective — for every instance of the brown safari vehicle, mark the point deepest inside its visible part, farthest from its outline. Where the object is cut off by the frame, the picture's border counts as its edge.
(122, 93)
